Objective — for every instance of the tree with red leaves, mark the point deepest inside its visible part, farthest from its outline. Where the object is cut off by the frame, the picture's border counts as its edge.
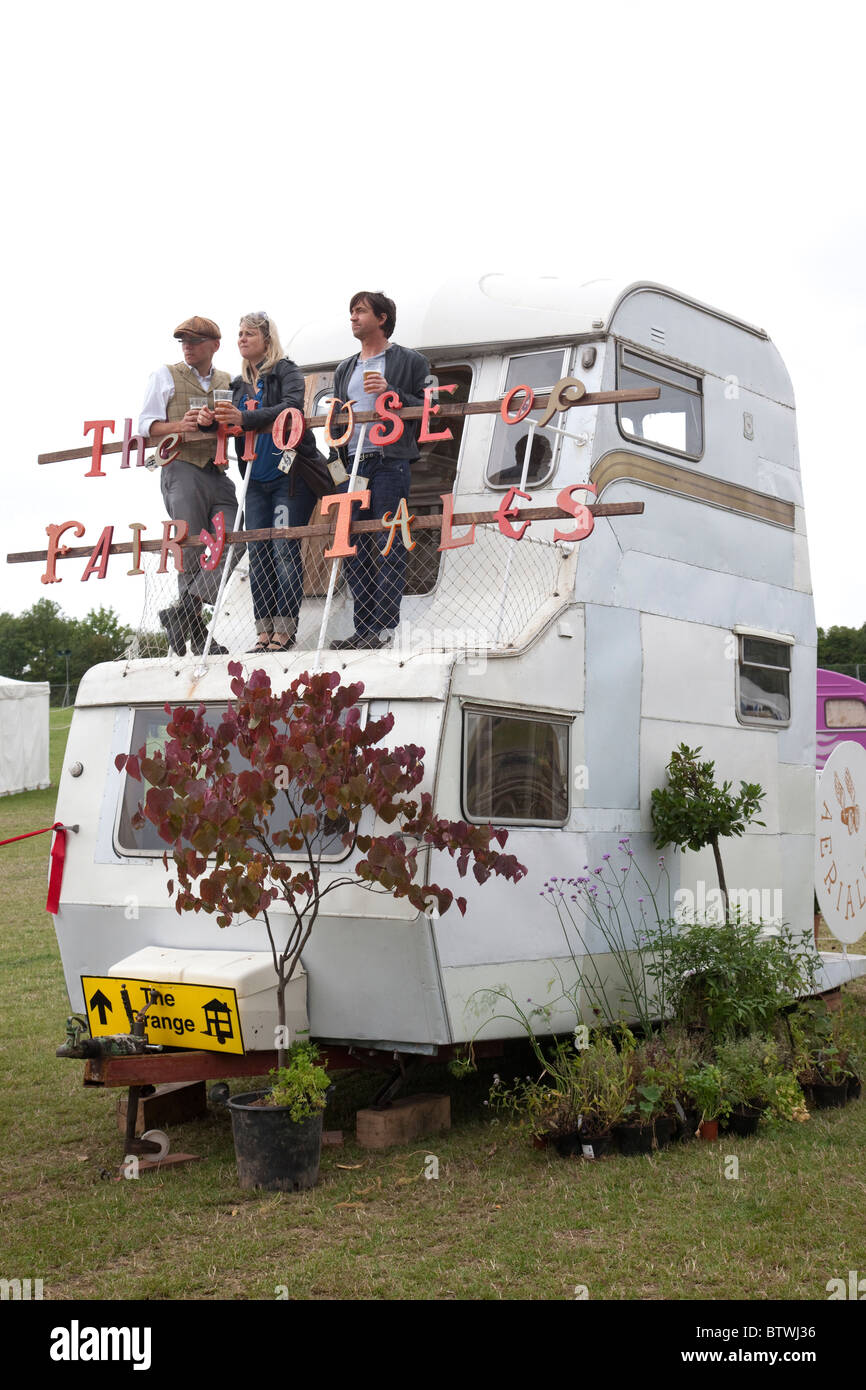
(313, 764)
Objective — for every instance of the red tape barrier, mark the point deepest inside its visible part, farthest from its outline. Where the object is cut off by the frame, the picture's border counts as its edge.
(58, 855)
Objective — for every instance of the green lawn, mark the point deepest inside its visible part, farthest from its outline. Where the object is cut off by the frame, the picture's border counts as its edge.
(501, 1221)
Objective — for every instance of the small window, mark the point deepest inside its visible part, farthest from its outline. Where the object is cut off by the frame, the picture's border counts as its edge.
(515, 769)
(541, 371)
(150, 730)
(845, 714)
(764, 681)
(674, 421)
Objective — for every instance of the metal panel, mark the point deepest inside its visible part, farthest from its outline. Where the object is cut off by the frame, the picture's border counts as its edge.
(613, 699)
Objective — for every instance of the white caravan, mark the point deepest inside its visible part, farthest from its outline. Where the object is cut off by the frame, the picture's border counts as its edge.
(547, 681)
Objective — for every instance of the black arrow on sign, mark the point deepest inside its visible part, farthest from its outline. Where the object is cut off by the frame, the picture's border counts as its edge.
(101, 1003)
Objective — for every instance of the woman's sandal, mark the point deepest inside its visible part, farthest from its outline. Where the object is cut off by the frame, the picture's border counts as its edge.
(262, 645)
(281, 642)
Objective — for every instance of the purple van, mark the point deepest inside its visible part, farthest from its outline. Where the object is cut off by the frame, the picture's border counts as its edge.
(841, 713)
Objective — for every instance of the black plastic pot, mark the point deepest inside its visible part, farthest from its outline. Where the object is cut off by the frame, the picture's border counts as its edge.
(744, 1120)
(568, 1145)
(634, 1139)
(273, 1151)
(665, 1127)
(826, 1097)
(596, 1145)
(687, 1123)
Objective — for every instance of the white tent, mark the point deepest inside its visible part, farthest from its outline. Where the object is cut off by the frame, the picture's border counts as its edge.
(23, 735)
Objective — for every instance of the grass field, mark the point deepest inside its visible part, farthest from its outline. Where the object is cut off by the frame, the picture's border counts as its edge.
(502, 1221)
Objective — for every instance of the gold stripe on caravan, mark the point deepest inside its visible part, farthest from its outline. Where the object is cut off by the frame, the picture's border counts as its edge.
(672, 478)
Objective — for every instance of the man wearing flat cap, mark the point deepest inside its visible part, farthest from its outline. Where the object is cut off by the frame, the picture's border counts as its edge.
(194, 490)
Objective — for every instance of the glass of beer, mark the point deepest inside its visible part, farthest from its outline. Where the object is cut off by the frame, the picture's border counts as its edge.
(221, 398)
(370, 372)
(197, 402)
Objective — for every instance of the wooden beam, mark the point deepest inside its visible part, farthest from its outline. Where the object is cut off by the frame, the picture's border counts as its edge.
(447, 410)
(324, 529)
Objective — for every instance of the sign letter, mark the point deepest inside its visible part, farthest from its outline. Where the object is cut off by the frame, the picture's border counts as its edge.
(296, 422)
(379, 434)
(215, 543)
(98, 561)
(402, 519)
(524, 409)
(584, 517)
(54, 532)
(426, 435)
(99, 427)
(172, 543)
(334, 405)
(344, 500)
(136, 527)
(446, 537)
(506, 510)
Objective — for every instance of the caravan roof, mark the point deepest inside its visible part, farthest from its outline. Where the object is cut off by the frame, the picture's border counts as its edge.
(492, 309)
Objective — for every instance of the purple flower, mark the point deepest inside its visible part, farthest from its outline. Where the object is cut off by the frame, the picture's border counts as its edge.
(596, 871)
(640, 900)
(605, 856)
(661, 861)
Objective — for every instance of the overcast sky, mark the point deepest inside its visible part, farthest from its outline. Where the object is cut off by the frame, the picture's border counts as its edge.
(179, 158)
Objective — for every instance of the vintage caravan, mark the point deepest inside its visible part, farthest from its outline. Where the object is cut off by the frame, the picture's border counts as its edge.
(840, 714)
(548, 681)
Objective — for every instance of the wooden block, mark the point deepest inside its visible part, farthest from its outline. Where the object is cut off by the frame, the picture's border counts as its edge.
(403, 1120)
(170, 1104)
(145, 1165)
(332, 1138)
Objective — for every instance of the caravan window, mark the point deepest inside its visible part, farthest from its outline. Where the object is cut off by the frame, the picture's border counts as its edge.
(845, 713)
(764, 680)
(541, 371)
(515, 768)
(674, 421)
(149, 731)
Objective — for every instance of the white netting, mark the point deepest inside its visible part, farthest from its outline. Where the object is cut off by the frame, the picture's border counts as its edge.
(477, 598)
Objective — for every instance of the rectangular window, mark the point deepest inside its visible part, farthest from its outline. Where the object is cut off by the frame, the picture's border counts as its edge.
(845, 714)
(764, 681)
(149, 730)
(515, 768)
(541, 371)
(674, 421)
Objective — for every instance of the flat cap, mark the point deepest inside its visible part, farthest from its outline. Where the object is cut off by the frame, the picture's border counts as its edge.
(197, 327)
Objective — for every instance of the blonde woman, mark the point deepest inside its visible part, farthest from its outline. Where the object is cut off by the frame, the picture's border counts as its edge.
(274, 498)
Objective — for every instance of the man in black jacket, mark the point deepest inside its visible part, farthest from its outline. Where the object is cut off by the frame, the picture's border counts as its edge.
(376, 580)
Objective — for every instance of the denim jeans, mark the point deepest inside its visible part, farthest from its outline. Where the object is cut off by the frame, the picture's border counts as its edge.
(276, 567)
(377, 581)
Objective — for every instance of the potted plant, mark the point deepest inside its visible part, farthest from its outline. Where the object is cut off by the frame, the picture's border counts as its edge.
(748, 1066)
(821, 1064)
(307, 750)
(646, 1123)
(705, 1086)
(278, 1133)
(605, 1086)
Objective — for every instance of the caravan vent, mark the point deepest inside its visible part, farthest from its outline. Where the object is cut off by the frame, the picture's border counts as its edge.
(657, 334)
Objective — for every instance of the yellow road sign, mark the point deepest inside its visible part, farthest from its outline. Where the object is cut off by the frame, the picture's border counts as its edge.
(181, 1015)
